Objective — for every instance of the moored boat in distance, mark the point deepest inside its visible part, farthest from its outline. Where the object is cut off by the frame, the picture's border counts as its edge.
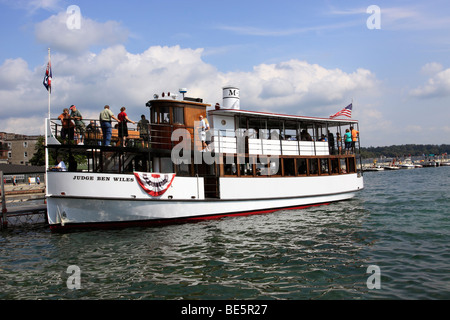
(373, 168)
(247, 162)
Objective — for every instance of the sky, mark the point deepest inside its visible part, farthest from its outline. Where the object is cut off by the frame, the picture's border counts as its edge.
(312, 58)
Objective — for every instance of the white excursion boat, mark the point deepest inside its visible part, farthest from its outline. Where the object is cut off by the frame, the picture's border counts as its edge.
(254, 162)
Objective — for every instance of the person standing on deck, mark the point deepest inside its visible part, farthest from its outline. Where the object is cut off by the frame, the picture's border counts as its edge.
(105, 118)
(348, 141)
(143, 131)
(204, 127)
(80, 127)
(354, 138)
(123, 128)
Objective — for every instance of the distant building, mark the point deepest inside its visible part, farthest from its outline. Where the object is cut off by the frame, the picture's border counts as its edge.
(17, 148)
(22, 173)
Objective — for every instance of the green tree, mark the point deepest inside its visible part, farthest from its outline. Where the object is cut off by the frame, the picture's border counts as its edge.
(38, 158)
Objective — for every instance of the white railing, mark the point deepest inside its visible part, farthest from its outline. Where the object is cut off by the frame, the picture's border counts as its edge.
(222, 143)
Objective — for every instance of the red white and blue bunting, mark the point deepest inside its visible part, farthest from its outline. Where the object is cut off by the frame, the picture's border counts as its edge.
(155, 184)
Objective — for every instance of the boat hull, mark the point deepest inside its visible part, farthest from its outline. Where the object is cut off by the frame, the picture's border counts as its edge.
(72, 203)
(106, 213)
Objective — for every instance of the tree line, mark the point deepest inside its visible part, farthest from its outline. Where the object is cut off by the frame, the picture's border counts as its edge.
(405, 150)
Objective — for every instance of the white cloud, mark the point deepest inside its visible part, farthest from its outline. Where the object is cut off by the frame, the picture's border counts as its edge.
(437, 86)
(293, 86)
(13, 72)
(119, 78)
(55, 33)
(431, 68)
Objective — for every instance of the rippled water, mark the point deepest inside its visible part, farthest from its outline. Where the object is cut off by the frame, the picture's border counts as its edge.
(400, 223)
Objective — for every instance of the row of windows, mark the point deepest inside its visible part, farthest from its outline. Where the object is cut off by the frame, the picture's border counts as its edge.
(289, 167)
(25, 154)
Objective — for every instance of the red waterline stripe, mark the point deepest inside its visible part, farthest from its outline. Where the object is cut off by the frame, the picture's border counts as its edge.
(114, 225)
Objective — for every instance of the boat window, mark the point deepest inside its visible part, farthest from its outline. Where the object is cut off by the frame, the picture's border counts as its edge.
(246, 168)
(183, 170)
(164, 115)
(178, 115)
(275, 166)
(229, 166)
(343, 165)
(254, 128)
(313, 167)
(268, 166)
(274, 134)
(301, 167)
(154, 115)
(230, 169)
(289, 167)
(242, 122)
(166, 165)
(264, 134)
(274, 126)
(290, 131)
(334, 166)
(351, 165)
(324, 166)
(306, 133)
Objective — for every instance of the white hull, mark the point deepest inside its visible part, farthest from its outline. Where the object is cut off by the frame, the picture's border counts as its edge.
(85, 200)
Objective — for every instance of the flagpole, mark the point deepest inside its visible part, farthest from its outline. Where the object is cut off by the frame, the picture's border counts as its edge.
(47, 126)
(49, 94)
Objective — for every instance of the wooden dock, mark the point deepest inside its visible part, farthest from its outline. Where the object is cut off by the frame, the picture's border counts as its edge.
(22, 205)
(25, 215)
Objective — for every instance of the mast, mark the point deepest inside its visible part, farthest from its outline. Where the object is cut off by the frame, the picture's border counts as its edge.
(50, 88)
(47, 122)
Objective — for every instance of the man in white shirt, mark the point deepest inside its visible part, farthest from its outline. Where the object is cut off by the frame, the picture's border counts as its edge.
(61, 166)
(204, 127)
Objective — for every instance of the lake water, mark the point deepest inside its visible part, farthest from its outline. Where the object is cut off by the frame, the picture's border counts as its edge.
(391, 242)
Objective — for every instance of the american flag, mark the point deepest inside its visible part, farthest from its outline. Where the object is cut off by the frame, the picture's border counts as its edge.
(347, 111)
(48, 77)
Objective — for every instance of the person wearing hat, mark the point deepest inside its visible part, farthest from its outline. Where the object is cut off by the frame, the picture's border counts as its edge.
(67, 126)
(80, 127)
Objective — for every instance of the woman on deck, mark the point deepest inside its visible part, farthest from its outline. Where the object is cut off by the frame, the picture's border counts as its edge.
(123, 128)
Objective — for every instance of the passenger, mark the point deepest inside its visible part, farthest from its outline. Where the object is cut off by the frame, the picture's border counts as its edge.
(204, 127)
(305, 136)
(67, 130)
(105, 118)
(93, 133)
(61, 166)
(355, 134)
(80, 127)
(123, 128)
(323, 138)
(142, 126)
(331, 142)
(348, 141)
(339, 143)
